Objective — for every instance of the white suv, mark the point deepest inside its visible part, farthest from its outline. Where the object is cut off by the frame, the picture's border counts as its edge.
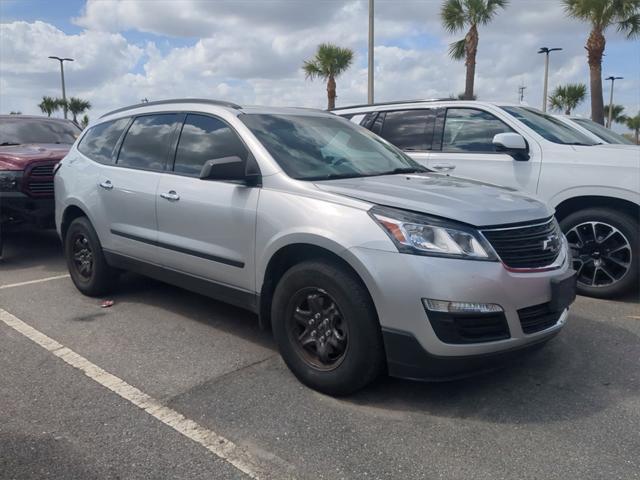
(595, 191)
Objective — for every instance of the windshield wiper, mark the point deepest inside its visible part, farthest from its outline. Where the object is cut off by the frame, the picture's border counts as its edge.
(8, 144)
(400, 170)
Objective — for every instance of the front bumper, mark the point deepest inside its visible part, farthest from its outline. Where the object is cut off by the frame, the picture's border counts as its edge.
(398, 283)
(18, 207)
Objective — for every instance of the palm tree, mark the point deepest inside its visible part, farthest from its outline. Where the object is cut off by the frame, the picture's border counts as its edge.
(48, 105)
(77, 106)
(457, 15)
(634, 124)
(617, 115)
(601, 14)
(84, 121)
(328, 63)
(567, 97)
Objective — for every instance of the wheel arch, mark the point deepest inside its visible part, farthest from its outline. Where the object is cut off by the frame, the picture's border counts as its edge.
(292, 254)
(70, 213)
(574, 204)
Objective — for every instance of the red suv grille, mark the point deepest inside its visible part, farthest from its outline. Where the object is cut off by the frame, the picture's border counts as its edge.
(38, 179)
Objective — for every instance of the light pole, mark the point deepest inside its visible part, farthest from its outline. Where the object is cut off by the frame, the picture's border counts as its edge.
(370, 78)
(64, 93)
(546, 51)
(610, 116)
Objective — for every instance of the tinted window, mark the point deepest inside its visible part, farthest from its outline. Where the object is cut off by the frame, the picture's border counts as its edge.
(310, 147)
(205, 138)
(469, 130)
(549, 127)
(604, 133)
(147, 142)
(98, 143)
(16, 131)
(409, 129)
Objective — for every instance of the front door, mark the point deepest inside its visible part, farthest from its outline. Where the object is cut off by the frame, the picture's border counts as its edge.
(207, 227)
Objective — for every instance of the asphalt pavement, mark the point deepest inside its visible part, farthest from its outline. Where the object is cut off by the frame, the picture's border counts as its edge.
(570, 411)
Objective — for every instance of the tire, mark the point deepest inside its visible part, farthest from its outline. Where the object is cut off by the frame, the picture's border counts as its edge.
(82, 249)
(352, 327)
(597, 237)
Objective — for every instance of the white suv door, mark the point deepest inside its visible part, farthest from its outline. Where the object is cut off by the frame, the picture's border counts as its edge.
(207, 227)
(128, 189)
(467, 144)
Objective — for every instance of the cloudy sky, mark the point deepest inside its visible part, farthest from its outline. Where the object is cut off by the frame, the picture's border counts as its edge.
(251, 51)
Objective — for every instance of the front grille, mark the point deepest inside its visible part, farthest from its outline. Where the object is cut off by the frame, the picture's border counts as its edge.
(40, 188)
(42, 171)
(469, 328)
(38, 179)
(529, 246)
(537, 318)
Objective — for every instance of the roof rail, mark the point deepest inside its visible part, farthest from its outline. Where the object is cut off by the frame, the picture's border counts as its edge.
(207, 101)
(397, 102)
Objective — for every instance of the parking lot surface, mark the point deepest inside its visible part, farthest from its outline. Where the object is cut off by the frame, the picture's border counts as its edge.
(571, 410)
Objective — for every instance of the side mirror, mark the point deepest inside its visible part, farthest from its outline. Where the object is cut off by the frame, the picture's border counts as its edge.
(512, 144)
(225, 168)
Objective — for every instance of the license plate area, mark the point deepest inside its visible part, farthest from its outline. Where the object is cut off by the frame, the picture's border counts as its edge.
(563, 291)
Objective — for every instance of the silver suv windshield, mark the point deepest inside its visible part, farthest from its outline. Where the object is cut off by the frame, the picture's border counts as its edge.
(548, 127)
(604, 133)
(320, 148)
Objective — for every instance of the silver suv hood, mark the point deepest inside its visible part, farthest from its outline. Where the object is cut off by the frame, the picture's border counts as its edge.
(464, 200)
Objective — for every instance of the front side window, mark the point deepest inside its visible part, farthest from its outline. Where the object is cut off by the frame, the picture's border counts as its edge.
(205, 138)
(147, 142)
(409, 129)
(549, 127)
(469, 130)
(18, 131)
(99, 141)
(310, 147)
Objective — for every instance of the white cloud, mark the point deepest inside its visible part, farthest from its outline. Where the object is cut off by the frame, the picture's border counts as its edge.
(251, 52)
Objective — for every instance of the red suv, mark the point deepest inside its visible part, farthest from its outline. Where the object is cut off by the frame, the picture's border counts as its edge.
(30, 147)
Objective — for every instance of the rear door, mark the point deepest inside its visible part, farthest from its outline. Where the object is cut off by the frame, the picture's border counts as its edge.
(467, 144)
(207, 227)
(128, 189)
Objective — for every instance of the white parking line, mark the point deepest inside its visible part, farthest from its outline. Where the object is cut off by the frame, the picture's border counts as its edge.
(217, 444)
(30, 282)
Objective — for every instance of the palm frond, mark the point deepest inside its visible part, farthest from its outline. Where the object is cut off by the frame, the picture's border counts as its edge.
(630, 26)
(567, 97)
(329, 60)
(457, 49)
(453, 15)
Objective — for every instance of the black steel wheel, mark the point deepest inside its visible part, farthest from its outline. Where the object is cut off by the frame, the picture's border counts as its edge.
(82, 255)
(326, 327)
(317, 329)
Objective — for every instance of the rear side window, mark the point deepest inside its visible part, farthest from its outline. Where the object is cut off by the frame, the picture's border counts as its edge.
(147, 142)
(205, 138)
(410, 129)
(469, 130)
(99, 141)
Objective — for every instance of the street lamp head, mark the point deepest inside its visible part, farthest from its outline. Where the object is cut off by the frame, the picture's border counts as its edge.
(612, 78)
(548, 50)
(61, 59)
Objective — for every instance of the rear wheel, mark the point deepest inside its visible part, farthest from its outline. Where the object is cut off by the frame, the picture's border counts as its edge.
(85, 259)
(326, 328)
(605, 248)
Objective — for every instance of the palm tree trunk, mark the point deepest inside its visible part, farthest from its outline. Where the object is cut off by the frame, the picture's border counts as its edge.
(471, 48)
(331, 93)
(595, 50)
(567, 111)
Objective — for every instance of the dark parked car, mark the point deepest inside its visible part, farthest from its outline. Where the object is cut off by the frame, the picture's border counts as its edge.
(30, 147)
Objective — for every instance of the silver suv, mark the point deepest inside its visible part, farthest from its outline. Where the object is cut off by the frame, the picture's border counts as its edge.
(358, 258)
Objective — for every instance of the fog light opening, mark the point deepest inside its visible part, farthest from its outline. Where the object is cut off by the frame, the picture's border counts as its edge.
(460, 307)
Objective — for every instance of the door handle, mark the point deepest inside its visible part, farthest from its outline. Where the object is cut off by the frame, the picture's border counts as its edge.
(443, 167)
(171, 195)
(107, 185)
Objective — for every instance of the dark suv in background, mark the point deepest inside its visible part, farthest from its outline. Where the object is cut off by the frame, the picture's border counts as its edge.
(30, 147)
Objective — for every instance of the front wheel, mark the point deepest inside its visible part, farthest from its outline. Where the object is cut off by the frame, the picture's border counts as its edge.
(605, 248)
(326, 328)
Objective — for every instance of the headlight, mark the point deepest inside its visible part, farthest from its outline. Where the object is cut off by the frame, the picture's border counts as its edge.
(10, 180)
(425, 235)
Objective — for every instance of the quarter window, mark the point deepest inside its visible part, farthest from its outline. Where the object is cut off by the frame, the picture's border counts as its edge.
(205, 138)
(469, 130)
(99, 141)
(147, 142)
(409, 129)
